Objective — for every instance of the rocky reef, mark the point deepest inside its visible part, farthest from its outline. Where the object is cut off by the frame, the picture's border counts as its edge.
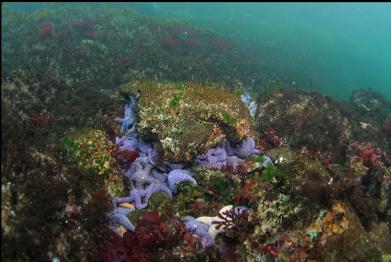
(303, 118)
(77, 46)
(298, 205)
(240, 194)
(99, 164)
(186, 119)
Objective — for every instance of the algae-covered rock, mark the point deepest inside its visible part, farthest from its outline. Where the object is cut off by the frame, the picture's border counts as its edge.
(162, 203)
(311, 179)
(282, 155)
(304, 176)
(91, 150)
(159, 202)
(380, 235)
(187, 119)
(220, 185)
(186, 194)
(344, 236)
(336, 234)
(385, 194)
(274, 214)
(303, 119)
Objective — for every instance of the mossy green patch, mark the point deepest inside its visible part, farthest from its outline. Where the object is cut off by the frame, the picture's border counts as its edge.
(174, 102)
(238, 93)
(256, 159)
(230, 119)
(268, 174)
(181, 85)
(271, 173)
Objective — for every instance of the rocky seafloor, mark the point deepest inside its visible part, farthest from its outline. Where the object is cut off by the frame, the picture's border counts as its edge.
(171, 169)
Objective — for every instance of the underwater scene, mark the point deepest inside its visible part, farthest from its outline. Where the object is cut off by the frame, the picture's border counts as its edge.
(228, 132)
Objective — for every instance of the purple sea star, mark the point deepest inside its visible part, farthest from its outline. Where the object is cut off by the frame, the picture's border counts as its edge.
(157, 187)
(202, 160)
(228, 149)
(216, 155)
(128, 123)
(247, 148)
(234, 161)
(118, 216)
(140, 197)
(214, 158)
(251, 105)
(179, 176)
(199, 229)
(148, 152)
(240, 210)
(144, 147)
(129, 142)
(162, 177)
(267, 161)
(136, 196)
(172, 166)
(140, 175)
(153, 154)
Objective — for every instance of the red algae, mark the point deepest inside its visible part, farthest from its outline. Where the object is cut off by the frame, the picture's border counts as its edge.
(386, 128)
(371, 156)
(169, 43)
(42, 120)
(128, 156)
(46, 29)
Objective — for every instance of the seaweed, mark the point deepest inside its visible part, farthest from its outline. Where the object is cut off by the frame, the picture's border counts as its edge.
(174, 102)
(230, 119)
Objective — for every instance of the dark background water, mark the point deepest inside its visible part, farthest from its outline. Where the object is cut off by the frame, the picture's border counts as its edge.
(332, 47)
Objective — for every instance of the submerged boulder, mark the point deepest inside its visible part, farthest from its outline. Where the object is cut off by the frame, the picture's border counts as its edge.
(370, 115)
(93, 153)
(341, 233)
(303, 119)
(187, 119)
(335, 235)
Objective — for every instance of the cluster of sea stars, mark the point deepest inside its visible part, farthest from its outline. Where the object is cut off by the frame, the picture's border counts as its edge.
(226, 155)
(146, 178)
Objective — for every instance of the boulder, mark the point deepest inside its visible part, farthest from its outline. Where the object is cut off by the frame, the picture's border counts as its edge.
(187, 119)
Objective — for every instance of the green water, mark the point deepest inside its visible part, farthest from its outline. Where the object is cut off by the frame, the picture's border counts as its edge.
(331, 47)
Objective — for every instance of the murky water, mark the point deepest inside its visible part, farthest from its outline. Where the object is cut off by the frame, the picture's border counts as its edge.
(196, 132)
